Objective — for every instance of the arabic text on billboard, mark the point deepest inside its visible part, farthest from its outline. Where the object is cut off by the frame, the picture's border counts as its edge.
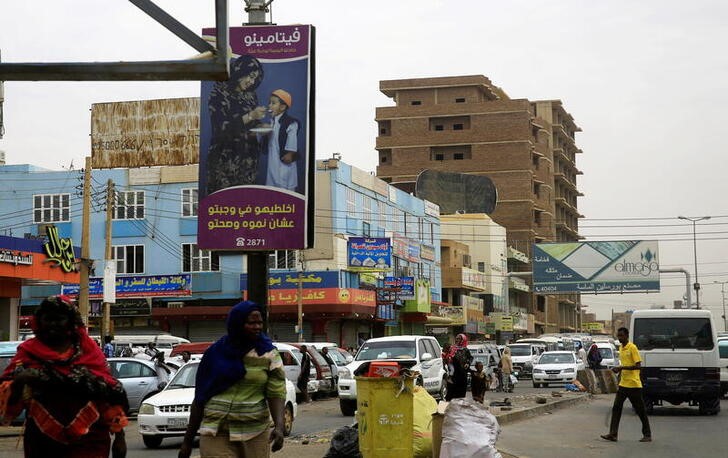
(369, 253)
(406, 286)
(256, 149)
(138, 286)
(596, 267)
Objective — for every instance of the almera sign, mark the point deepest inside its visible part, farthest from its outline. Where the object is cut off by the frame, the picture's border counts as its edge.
(60, 250)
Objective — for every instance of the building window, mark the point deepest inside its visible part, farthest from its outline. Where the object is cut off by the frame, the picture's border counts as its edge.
(366, 229)
(367, 209)
(382, 214)
(460, 100)
(129, 205)
(457, 127)
(129, 259)
(537, 218)
(439, 157)
(399, 221)
(51, 208)
(196, 260)
(383, 160)
(458, 156)
(439, 127)
(282, 259)
(481, 266)
(416, 102)
(350, 202)
(189, 202)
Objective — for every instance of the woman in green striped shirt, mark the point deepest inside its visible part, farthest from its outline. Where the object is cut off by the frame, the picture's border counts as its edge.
(240, 385)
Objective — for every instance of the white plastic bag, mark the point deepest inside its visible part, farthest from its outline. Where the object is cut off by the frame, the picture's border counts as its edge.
(469, 430)
(514, 379)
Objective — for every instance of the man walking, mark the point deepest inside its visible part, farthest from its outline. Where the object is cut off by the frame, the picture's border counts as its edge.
(305, 373)
(630, 387)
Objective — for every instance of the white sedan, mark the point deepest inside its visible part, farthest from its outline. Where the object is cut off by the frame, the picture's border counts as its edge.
(166, 414)
(555, 367)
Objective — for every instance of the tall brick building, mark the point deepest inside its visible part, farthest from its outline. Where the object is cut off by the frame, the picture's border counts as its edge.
(466, 124)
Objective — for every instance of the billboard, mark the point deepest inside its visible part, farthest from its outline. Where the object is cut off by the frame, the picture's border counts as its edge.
(289, 279)
(145, 133)
(373, 254)
(596, 267)
(256, 143)
(138, 286)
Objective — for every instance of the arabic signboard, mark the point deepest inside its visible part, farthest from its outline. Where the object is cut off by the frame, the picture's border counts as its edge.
(422, 300)
(145, 133)
(455, 313)
(369, 253)
(405, 248)
(322, 296)
(427, 252)
(257, 156)
(406, 286)
(30, 259)
(596, 267)
(473, 308)
(289, 279)
(138, 286)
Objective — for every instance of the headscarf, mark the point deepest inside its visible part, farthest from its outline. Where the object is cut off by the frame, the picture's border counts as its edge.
(85, 356)
(222, 364)
(227, 97)
(454, 347)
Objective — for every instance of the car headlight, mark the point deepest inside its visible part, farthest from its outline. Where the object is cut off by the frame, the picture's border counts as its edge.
(344, 373)
(571, 369)
(538, 371)
(146, 409)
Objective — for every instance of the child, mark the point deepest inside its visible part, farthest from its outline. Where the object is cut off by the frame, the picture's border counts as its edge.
(479, 382)
(281, 145)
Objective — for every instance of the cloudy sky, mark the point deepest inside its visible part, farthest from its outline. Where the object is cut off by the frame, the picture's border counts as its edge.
(645, 81)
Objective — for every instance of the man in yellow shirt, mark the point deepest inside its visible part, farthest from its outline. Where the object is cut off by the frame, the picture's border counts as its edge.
(630, 387)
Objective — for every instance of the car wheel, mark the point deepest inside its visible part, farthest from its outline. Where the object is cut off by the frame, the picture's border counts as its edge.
(152, 441)
(536, 385)
(348, 407)
(709, 406)
(288, 420)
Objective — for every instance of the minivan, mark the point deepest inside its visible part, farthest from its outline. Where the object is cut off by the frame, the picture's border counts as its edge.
(679, 351)
(523, 355)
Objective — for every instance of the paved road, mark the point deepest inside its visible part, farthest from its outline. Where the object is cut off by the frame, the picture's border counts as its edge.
(315, 422)
(677, 432)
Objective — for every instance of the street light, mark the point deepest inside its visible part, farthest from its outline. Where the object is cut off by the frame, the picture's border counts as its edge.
(696, 285)
(722, 293)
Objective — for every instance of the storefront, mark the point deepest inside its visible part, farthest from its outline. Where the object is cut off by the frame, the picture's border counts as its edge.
(28, 262)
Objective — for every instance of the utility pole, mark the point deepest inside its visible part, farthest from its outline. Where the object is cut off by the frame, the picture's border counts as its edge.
(300, 297)
(106, 320)
(83, 305)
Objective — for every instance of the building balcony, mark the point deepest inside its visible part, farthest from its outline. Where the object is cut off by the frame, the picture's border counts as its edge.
(466, 278)
(518, 255)
(518, 284)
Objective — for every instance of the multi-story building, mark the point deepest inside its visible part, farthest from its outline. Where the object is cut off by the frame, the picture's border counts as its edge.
(468, 125)
(165, 283)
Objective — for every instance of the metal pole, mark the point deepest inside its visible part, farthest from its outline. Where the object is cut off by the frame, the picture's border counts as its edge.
(725, 319)
(106, 317)
(687, 282)
(83, 305)
(695, 259)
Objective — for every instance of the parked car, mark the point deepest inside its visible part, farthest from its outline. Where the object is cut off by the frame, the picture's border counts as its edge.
(291, 356)
(139, 378)
(523, 355)
(419, 353)
(723, 361)
(167, 413)
(324, 376)
(555, 367)
(610, 357)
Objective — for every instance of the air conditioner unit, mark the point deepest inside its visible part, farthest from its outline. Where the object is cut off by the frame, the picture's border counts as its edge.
(175, 305)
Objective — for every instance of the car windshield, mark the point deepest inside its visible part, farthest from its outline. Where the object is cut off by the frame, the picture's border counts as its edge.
(606, 353)
(651, 333)
(563, 358)
(520, 350)
(184, 378)
(337, 357)
(404, 349)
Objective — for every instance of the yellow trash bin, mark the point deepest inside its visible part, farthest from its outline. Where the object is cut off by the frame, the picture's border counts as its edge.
(384, 418)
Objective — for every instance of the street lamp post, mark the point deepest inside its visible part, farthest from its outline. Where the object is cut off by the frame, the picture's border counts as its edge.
(696, 285)
(722, 294)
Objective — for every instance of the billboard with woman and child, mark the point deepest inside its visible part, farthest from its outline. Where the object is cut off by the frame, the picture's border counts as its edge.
(256, 143)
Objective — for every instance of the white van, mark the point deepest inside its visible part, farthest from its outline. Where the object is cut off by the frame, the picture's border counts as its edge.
(523, 355)
(164, 342)
(679, 351)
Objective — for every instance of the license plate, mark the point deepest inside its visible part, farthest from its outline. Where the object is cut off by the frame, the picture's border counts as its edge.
(177, 422)
(673, 379)
(553, 376)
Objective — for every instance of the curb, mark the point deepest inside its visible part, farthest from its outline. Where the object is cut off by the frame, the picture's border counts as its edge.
(516, 415)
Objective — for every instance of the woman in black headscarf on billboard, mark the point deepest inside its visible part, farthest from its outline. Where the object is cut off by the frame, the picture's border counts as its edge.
(232, 158)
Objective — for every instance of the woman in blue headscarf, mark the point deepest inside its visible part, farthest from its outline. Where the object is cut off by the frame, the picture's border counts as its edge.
(240, 385)
(232, 158)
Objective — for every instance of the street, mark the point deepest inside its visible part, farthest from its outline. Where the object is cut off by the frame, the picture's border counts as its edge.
(568, 432)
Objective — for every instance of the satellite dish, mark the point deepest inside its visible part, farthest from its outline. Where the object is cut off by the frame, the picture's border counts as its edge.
(457, 192)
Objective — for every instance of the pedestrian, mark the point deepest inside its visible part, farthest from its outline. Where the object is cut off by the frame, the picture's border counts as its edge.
(151, 350)
(630, 387)
(186, 356)
(240, 385)
(164, 372)
(594, 358)
(506, 367)
(108, 347)
(458, 361)
(332, 365)
(581, 353)
(62, 380)
(303, 377)
(479, 382)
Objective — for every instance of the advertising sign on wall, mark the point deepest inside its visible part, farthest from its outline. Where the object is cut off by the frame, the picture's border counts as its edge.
(256, 143)
(138, 286)
(369, 253)
(596, 267)
(289, 279)
(406, 286)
